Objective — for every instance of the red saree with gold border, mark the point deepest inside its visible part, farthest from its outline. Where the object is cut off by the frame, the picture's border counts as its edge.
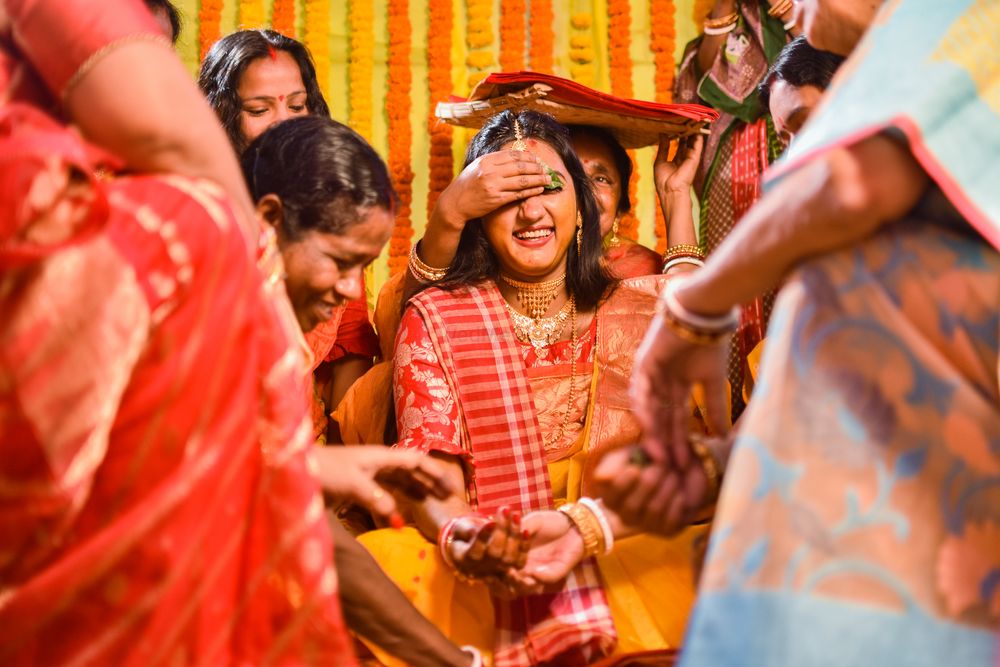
(156, 504)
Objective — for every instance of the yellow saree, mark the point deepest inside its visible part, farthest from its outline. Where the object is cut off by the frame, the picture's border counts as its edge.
(648, 580)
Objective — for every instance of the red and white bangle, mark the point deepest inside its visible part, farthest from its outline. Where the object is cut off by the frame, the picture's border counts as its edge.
(445, 538)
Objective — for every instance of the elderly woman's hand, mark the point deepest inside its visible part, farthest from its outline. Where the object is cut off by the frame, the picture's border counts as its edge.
(489, 182)
(677, 175)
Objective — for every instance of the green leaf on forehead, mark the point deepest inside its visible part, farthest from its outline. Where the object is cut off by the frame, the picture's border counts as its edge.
(557, 182)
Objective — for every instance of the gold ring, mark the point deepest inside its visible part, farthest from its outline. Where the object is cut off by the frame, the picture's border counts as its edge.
(639, 457)
(708, 463)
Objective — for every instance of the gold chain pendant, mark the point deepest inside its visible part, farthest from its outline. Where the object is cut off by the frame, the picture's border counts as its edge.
(542, 331)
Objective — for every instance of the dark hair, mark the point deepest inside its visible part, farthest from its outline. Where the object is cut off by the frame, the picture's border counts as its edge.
(475, 261)
(228, 59)
(799, 64)
(173, 16)
(315, 164)
(623, 163)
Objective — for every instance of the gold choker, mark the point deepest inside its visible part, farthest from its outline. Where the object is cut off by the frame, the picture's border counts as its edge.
(535, 298)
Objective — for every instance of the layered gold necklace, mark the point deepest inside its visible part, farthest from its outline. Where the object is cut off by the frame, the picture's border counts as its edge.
(541, 331)
(533, 327)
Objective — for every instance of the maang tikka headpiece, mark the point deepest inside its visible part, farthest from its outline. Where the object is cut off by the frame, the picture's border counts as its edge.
(519, 144)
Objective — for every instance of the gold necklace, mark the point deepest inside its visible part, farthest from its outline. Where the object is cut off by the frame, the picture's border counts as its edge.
(541, 331)
(572, 378)
(535, 298)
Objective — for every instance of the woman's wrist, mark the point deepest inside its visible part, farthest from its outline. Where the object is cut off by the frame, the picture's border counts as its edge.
(722, 8)
(446, 217)
(590, 524)
(699, 295)
(446, 540)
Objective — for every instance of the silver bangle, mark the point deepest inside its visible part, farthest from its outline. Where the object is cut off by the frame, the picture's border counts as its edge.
(477, 657)
(711, 325)
(693, 261)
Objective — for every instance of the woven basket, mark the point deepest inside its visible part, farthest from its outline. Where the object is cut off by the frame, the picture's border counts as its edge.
(631, 131)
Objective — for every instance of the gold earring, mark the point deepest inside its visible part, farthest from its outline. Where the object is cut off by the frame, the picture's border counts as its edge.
(579, 235)
(614, 232)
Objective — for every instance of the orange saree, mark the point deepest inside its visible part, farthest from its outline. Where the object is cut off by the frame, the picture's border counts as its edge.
(348, 333)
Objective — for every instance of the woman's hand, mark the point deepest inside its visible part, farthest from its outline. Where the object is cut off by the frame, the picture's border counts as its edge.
(489, 182)
(673, 179)
(556, 548)
(369, 475)
(657, 497)
(489, 549)
(666, 368)
(677, 175)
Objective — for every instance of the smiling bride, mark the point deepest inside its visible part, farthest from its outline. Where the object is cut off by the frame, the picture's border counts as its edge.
(513, 370)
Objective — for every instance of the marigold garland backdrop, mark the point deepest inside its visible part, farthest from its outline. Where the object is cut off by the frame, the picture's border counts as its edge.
(621, 46)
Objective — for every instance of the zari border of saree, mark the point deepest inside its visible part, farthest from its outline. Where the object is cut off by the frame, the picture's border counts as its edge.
(105, 51)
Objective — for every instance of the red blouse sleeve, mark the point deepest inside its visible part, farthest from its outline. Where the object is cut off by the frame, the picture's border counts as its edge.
(355, 334)
(59, 37)
(427, 416)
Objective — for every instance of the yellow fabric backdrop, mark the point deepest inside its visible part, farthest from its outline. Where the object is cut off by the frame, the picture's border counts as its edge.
(337, 84)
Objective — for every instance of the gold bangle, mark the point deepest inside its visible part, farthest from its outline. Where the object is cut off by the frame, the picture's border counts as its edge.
(692, 336)
(708, 463)
(722, 21)
(685, 247)
(586, 523)
(780, 8)
(683, 250)
(424, 272)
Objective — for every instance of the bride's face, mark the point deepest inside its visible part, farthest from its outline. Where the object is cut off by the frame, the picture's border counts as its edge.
(531, 237)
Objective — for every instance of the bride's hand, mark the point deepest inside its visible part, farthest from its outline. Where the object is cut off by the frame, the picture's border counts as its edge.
(488, 548)
(556, 548)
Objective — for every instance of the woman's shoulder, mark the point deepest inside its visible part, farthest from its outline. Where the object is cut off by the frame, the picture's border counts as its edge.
(633, 297)
(646, 286)
(630, 259)
(436, 295)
